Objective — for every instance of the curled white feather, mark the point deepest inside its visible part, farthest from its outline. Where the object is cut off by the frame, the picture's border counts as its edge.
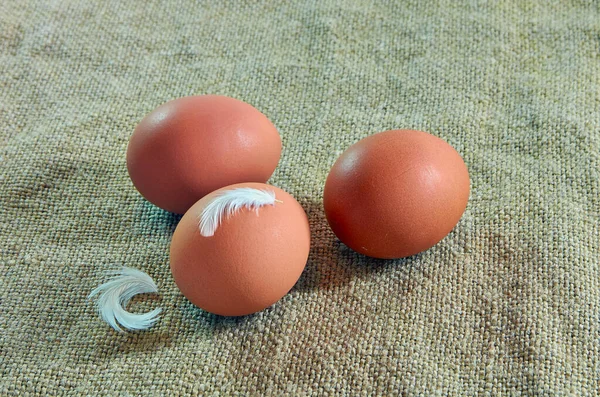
(229, 202)
(114, 295)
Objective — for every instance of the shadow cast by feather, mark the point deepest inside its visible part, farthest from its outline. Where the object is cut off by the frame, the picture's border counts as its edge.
(135, 342)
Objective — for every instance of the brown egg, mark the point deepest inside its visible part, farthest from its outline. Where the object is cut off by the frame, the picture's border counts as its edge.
(396, 193)
(191, 146)
(250, 258)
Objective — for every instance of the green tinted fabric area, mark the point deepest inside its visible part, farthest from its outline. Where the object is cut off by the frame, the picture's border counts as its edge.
(508, 303)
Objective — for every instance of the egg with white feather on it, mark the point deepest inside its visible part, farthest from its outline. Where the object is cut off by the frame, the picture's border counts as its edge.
(240, 249)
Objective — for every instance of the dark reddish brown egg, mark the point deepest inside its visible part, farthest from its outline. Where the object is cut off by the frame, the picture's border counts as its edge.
(396, 193)
(191, 146)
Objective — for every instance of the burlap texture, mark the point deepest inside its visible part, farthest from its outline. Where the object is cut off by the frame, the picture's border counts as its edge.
(507, 304)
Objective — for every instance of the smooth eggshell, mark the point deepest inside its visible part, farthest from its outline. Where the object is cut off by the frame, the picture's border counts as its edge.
(191, 146)
(396, 193)
(252, 260)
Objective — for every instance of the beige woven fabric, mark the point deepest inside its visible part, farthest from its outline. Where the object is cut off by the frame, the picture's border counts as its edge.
(507, 304)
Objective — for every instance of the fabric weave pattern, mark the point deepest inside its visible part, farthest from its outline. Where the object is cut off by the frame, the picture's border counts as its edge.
(507, 304)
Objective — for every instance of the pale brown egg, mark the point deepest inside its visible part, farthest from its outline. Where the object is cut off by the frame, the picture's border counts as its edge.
(240, 249)
(191, 146)
(396, 193)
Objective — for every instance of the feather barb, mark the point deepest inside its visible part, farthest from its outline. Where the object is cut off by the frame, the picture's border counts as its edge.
(229, 202)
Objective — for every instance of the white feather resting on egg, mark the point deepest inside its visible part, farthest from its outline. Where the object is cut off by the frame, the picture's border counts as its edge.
(228, 202)
(114, 295)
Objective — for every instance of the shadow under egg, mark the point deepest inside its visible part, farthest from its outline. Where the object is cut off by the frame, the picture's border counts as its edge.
(153, 220)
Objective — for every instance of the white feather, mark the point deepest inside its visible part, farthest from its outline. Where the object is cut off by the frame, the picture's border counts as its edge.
(117, 292)
(229, 202)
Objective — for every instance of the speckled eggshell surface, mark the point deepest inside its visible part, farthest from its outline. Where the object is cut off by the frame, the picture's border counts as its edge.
(191, 146)
(396, 193)
(253, 259)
